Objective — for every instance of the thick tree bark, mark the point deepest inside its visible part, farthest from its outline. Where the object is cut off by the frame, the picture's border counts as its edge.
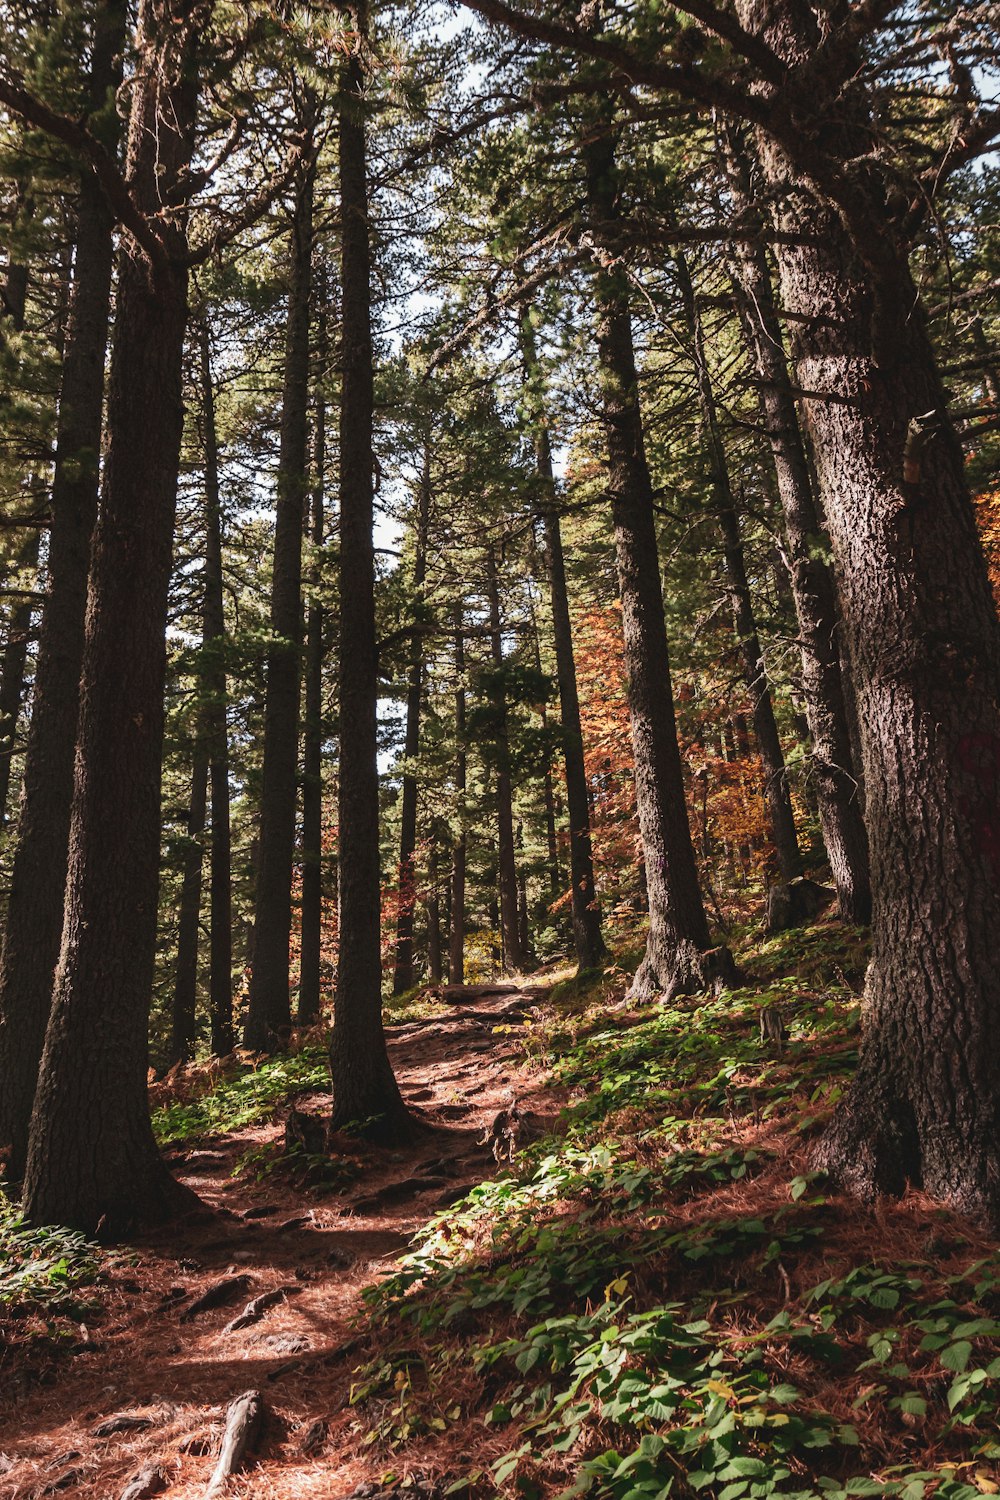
(403, 973)
(185, 997)
(269, 1010)
(365, 1091)
(458, 853)
(924, 641)
(38, 875)
(776, 793)
(834, 773)
(515, 955)
(678, 956)
(216, 729)
(311, 928)
(92, 1159)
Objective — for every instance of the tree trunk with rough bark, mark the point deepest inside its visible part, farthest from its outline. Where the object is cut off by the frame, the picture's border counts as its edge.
(925, 646)
(776, 793)
(215, 697)
(434, 954)
(12, 668)
(457, 924)
(38, 876)
(185, 997)
(364, 1086)
(92, 1159)
(833, 769)
(587, 937)
(403, 971)
(679, 957)
(311, 928)
(515, 956)
(269, 1010)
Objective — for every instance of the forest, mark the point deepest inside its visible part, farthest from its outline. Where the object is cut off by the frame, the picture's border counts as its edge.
(499, 749)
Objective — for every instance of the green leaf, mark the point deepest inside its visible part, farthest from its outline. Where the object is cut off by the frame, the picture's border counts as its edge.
(742, 1465)
(956, 1356)
(913, 1404)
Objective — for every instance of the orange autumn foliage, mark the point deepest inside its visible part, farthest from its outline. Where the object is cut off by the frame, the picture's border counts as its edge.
(988, 520)
(723, 772)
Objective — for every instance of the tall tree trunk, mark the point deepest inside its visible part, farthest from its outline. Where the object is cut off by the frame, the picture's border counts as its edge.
(551, 831)
(776, 793)
(458, 854)
(834, 773)
(269, 1012)
(92, 1159)
(434, 964)
(15, 653)
(38, 874)
(587, 936)
(523, 915)
(183, 1013)
(215, 697)
(311, 929)
(678, 956)
(515, 956)
(12, 668)
(924, 641)
(364, 1086)
(403, 974)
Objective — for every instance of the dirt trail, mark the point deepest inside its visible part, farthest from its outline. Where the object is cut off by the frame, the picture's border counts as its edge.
(146, 1358)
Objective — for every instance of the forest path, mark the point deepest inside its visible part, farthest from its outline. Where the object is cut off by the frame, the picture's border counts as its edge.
(141, 1355)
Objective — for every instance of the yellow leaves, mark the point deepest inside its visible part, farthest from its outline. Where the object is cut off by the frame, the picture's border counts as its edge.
(721, 1388)
(987, 508)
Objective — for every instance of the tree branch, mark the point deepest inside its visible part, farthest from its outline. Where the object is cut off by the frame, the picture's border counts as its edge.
(33, 111)
(253, 210)
(714, 93)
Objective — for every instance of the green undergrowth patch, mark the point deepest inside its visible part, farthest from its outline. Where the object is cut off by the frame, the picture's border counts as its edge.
(248, 1096)
(830, 954)
(692, 1062)
(664, 1300)
(595, 987)
(314, 1172)
(421, 1003)
(43, 1271)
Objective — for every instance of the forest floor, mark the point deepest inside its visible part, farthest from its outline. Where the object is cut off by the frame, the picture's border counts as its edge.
(659, 1297)
(138, 1350)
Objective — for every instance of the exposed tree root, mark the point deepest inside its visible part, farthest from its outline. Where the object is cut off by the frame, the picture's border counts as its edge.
(244, 1420)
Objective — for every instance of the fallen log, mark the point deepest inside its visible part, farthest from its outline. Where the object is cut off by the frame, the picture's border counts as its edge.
(244, 1420)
